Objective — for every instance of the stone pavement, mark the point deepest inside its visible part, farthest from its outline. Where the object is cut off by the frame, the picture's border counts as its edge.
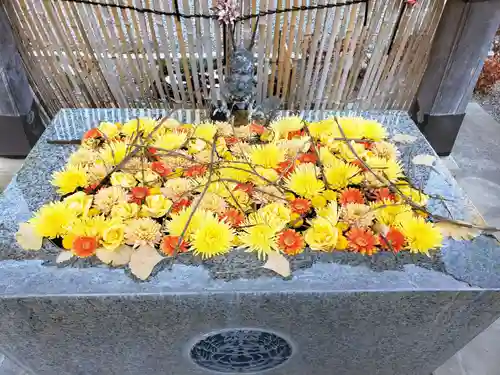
(475, 163)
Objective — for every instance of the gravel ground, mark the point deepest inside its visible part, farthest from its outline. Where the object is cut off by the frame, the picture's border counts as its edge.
(490, 102)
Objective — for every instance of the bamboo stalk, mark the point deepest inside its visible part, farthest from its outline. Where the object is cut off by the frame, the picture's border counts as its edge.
(275, 52)
(296, 53)
(281, 65)
(290, 51)
(269, 35)
(207, 51)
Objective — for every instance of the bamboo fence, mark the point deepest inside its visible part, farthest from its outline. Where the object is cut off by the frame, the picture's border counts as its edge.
(360, 56)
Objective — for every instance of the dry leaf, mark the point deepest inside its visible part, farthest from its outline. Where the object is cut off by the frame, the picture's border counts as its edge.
(64, 256)
(404, 138)
(424, 159)
(457, 232)
(143, 260)
(278, 263)
(27, 238)
(118, 257)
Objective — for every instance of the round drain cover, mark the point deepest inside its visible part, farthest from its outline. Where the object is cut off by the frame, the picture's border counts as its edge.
(241, 351)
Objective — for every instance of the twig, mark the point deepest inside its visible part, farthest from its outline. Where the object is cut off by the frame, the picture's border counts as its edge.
(313, 146)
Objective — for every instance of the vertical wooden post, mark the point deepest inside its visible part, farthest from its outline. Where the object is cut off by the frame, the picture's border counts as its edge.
(463, 38)
(20, 123)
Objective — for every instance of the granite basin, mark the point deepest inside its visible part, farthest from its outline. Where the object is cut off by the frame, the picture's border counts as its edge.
(338, 314)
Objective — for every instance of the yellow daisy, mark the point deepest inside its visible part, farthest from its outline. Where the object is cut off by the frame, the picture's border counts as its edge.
(269, 155)
(69, 179)
(340, 174)
(304, 182)
(213, 238)
(421, 236)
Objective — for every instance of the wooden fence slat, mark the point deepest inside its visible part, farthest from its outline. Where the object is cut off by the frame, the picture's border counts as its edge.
(297, 58)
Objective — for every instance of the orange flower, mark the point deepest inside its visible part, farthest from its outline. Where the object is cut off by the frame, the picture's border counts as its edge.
(92, 133)
(139, 193)
(161, 168)
(195, 171)
(291, 242)
(368, 145)
(180, 205)
(258, 129)
(169, 244)
(233, 217)
(231, 140)
(247, 188)
(384, 194)
(310, 157)
(362, 241)
(300, 206)
(296, 133)
(393, 240)
(351, 196)
(359, 164)
(285, 168)
(84, 247)
(90, 189)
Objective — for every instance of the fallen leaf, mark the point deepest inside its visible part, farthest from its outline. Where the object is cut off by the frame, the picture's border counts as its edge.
(64, 256)
(118, 257)
(404, 138)
(27, 238)
(143, 260)
(424, 159)
(278, 263)
(457, 232)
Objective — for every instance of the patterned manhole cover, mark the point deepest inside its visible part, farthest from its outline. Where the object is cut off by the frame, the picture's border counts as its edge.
(241, 351)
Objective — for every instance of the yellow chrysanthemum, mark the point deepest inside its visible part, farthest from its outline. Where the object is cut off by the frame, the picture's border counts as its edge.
(258, 236)
(421, 236)
(322, 235)
(145, 125)
(284, 125)
(205, 131)
(371, 129)
(294, 146)
(327, 158)
(340, 174)
(170, 141)
(113, 153)
(176, 225)
(346, 153)
(110, 129)
(241, 172)
(386, 170)
(69, 179)
(125, 210)
(276, 215)
(142, 231)
(219, 188)
(213, 238)
(212, 202)
(304, 182)
(352, 126)
(88, 226)
(390, 213)
(269, 155)
(52, 219)
(83, 156)
(322, 128)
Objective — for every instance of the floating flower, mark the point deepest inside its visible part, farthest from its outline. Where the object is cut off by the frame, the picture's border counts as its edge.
(123, 179)
(69, 179)
(113, 235)
(52, 219)
(300, 206)
(170, 245)
(309, 157)
(106, 198)
(84, 246)
(169, 141)
(145, 125)
(384, 150)
(291, 242)
(161, 168)
(233, 217)
(268, 156)
(357, 215)
(420, 235)
(351, 195)
(371, 129)
(142, 231)
(285, 125)
(304, 182)
(125, 210)
(393, 240)
(322, 235)
(213, 238)
(390, 213)
(362, 241)
(156, 205)
(138, 194)
(79, 203)
(110, 129)
(195, 171)
(205, 131)
(113, 153)
(340, 174)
